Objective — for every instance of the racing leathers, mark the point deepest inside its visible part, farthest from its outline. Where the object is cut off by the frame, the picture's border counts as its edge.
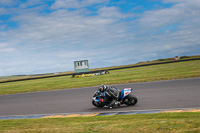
(112, 94)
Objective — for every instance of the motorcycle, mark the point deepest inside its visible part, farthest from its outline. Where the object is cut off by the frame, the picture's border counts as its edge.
(124, 98)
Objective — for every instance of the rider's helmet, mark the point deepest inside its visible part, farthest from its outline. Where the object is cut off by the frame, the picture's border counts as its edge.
(102, 88)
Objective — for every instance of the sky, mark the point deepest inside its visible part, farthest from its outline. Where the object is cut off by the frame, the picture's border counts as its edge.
(45, 36)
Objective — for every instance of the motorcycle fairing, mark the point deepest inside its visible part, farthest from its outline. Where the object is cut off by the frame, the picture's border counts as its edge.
(125, 92)
(97, 98)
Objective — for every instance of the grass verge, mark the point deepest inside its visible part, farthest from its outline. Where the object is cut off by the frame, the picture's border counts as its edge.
(171, 71)
(140, 123)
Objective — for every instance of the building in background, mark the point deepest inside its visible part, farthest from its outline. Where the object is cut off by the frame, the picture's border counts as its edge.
(82, 70)
(81, 66)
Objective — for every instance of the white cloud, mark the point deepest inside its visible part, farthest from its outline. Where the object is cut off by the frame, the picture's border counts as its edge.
(3, 45)
(75, 3)
(4, 48)
(111, 12)
(30, 3)
(6, 2)
(182, 1)
(176, 14)
(7, 50)
(176, 27)
(52, 41)
(2, 11)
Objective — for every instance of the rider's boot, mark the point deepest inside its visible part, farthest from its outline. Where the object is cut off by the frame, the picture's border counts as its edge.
(114, 103)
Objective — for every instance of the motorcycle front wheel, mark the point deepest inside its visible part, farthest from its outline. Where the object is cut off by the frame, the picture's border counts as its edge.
(97, 104)
(131, 100)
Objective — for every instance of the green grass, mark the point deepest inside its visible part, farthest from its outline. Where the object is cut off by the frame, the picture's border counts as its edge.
(141, 123)
(170, 71)
(44, 75)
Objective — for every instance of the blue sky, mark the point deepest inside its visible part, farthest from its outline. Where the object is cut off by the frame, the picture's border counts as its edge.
(42, 36)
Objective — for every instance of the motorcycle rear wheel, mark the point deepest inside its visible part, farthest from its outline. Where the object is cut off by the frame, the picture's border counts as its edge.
(132, 100)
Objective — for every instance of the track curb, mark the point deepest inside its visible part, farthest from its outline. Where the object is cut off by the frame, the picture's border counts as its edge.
(63, 115)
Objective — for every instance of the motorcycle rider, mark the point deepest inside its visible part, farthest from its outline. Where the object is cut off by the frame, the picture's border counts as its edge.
(111, 94)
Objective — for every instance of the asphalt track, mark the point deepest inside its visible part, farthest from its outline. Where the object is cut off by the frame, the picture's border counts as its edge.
(159, 95)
